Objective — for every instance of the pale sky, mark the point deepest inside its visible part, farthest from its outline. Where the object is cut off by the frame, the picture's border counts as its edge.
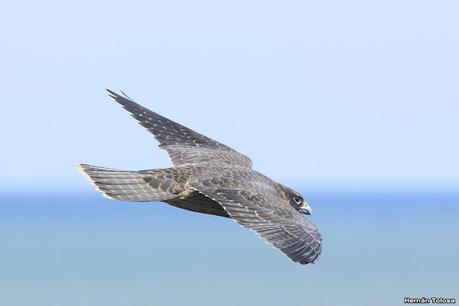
(321, 95)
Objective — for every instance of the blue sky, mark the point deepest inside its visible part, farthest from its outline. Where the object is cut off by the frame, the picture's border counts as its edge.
(321, 95)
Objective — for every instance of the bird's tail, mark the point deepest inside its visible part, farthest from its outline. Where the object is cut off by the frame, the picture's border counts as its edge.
(134, 186)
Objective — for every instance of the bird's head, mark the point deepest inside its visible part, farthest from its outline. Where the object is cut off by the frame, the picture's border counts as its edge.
(300, 204)
(297, 201)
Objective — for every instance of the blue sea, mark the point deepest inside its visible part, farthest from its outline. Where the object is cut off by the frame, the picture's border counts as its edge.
(75, 250)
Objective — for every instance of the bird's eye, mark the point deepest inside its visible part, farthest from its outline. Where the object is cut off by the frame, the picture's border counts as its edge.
(297, 199)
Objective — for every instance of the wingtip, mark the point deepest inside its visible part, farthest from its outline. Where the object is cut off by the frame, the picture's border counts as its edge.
(111, 93)
(125, 95)
(117, 96)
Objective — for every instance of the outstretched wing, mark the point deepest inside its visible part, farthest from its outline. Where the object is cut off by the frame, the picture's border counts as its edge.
(259, 207)
(183, 145)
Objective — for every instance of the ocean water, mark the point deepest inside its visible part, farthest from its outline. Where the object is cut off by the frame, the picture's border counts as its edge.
(74, 249)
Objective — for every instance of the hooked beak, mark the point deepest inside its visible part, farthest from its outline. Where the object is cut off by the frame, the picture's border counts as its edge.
(305, 209)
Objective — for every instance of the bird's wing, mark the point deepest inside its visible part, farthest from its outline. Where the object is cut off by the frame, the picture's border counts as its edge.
(183, 145)
(256, 205)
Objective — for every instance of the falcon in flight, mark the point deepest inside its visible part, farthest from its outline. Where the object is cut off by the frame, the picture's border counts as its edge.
(212, 178)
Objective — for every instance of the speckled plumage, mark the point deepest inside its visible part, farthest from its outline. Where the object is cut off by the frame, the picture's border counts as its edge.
(212, 178)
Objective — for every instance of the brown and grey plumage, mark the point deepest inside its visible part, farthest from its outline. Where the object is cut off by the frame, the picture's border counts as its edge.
(212, 178)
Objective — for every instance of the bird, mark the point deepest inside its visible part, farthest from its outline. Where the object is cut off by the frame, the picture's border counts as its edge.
(212, 178)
